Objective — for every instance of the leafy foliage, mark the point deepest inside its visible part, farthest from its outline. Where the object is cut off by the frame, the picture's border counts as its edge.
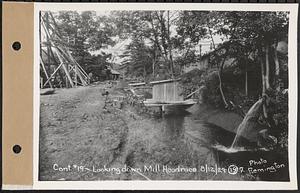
(163, 42)
(85, 32)
(139, 58)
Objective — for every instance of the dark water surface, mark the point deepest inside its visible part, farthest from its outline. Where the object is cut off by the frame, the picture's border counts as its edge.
(212, 145)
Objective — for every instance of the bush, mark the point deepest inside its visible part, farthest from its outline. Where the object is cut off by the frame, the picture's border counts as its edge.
(278, 114)
(191, 81)
(233, 85)
(211, 93)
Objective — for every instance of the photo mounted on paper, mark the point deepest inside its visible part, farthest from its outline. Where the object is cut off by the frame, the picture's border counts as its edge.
(172, 94)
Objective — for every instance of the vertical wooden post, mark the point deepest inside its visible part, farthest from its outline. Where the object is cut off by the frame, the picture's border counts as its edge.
(174, 92)
(48, 39)
(161, 111)
(41, 82)
(75, 76)
(66, 80)
(63, 53)
(68, 75)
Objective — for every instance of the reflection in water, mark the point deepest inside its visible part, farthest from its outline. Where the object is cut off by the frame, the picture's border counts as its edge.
(211, 144)
(173, 128)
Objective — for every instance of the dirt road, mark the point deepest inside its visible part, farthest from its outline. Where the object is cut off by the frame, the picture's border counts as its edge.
(79, 140)
(75, 130)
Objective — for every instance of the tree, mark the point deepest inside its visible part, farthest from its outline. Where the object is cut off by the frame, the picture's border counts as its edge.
(259, 32)
(152, 26)
(139, 58)
(204, 25)
(84, 32)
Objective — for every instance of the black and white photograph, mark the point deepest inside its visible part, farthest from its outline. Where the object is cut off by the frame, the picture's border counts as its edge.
(165, 95)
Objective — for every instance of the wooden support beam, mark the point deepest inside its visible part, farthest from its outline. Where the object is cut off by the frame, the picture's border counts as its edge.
(44, 69)
(41, 82)
(55, 62)
(71, 60)
(75, 62)
(46, 31)
(53, 74)
(64, 55)
(65, 68)
(80, 72)
(191, 94)
(55, 25)
(83, 72)
(81, 79)
(68, 75)
(75, 76)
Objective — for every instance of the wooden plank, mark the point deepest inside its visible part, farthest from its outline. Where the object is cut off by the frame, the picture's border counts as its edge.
(75, 76)
(44, 69)
(174, 92)
(164, 81)
(53, 73)
(169, 91)
(79, 74)
(64, 67)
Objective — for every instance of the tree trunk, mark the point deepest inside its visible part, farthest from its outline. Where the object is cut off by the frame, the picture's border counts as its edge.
(277, 65)
(246, 83)
(221, 90)
(220, 70)
(144, 72)
(220, 82)
(263, 78)
(153, 64)
(171, 63)
(163, 34)
(170, 45)
(277, 68)
(267, 76)
(156, 40)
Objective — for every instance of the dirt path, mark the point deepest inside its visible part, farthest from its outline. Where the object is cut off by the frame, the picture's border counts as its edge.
(77, 133)
(74, 130)
(79, 140)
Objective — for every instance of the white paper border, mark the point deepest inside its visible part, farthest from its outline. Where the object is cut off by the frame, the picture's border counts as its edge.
(175, 185)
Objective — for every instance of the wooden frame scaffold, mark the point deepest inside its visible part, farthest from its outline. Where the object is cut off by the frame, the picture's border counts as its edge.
(54, 45)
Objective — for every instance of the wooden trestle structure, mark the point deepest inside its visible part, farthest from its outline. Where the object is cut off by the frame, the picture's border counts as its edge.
(58, 53)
